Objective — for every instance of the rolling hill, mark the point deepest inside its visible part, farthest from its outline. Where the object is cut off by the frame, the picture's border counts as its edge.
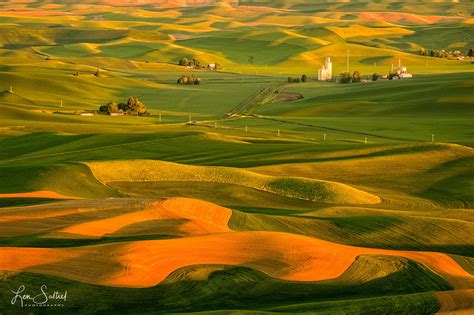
(258, 190)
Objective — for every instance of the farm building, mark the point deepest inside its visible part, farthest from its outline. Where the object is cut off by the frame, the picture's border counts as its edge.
(402, 71)
(325, 72)
(213, 67)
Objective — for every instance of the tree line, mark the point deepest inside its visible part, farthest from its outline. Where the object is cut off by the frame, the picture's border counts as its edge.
(303, 78)
(133, 107)
(441, 53)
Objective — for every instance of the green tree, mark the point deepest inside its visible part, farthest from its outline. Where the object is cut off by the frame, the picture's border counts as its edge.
(356, 76)
(424, 52)
(112, 107)
(304, 78)
(345, 78)
(136, 106)
(184, 62)
(375, 76)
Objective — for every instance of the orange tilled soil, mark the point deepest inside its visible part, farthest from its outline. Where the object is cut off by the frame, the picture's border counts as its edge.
(96, 218)
(456, 302)
(37, 194)
(185, 216)
(147, 263)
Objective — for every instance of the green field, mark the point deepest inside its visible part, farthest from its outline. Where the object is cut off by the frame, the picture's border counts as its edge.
(383, 167)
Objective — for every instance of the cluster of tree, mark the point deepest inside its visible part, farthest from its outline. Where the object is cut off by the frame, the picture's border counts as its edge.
(441, 53)
(193, 63)
(303, 78)
(189, 80)
(196, 64)
(390, 76)
(133, 107)
(347, 77)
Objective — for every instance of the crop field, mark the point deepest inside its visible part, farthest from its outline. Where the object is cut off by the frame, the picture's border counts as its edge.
(166, 157)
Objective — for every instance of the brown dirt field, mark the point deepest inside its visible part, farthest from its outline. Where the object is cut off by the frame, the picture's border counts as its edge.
(147, 263)
(456, 302)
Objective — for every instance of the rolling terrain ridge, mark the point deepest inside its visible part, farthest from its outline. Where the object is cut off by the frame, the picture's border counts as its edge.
(258, 190)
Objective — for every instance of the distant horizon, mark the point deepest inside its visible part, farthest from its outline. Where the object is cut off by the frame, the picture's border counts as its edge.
(236, 157)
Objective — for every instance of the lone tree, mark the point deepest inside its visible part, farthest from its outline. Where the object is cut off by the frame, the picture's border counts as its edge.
(184, 62)
(470, 53)
(356, 77)
(375, 76)
(345, 78)
(304, 78)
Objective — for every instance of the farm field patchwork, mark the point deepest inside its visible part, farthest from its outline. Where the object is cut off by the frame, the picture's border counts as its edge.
(165, 157)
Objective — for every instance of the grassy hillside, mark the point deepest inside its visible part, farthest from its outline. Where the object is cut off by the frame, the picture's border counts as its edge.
(267, 294)
(264, 37)
(310, 197)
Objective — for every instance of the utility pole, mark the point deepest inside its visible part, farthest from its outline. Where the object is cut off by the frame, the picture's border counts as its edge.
(365, 140)
(61, 103)
(324, 137)
(278, 132)
(215, 124)
(11, 89)
(159, 119)
(190, 118)
(347, 69)
(432, 138)
(246, 129)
